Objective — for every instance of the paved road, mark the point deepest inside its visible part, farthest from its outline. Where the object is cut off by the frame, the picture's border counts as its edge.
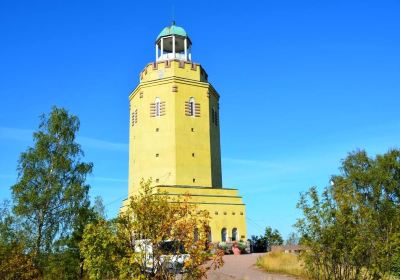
(243, 267)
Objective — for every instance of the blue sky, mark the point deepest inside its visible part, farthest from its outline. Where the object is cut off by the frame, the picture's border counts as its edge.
(302, 83)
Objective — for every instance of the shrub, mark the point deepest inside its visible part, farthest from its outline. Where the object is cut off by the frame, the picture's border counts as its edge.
(280, 262)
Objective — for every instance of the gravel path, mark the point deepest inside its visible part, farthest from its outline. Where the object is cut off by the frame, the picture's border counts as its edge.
(243, 267)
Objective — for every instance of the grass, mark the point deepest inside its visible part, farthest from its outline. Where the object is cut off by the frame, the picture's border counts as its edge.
(283, 263)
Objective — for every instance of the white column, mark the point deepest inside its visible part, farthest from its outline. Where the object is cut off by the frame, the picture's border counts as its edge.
(162, 47)
(185, 47)
(156, 52)
(173, 47)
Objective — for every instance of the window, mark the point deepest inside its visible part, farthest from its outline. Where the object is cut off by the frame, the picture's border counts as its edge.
(234, 234)
(157, 155)
(194, 180)
(192, 129)
(209, 236)
(191, 106)
(192, 154)
(158, 107)
(223, 235)
(157, 180)
(157, 129)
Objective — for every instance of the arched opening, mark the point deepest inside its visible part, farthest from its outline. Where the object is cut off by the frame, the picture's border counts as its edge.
(208, 232)
(158, 107)
(223, 235)
(234, 234)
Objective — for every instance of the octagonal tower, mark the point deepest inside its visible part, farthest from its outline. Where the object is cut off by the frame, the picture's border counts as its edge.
(174, 135)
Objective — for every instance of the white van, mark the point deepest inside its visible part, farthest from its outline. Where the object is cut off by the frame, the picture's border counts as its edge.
(169, 259)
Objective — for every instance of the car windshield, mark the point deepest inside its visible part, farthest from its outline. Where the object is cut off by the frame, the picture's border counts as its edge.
(172, 248)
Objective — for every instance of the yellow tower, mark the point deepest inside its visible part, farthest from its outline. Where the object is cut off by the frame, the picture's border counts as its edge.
(174, 135)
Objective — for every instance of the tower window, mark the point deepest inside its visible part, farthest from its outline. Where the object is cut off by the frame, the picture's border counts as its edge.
(157, 129)
(192, 108)
(192, 129)
(157, 108)
(141, 95)
(157, 155)
(214, 116)
(192, 154)
(194, 180)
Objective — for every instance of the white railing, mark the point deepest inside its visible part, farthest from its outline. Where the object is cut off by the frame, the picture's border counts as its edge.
(169, 56)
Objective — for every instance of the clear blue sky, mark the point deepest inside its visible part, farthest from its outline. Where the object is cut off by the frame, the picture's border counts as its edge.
(302, 83)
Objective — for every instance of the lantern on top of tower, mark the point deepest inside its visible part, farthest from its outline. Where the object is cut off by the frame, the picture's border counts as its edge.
(173, 43)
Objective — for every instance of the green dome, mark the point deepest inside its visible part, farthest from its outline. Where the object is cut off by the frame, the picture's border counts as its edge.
(172, 30)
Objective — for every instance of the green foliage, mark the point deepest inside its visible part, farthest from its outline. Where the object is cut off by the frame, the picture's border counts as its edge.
(353, 229)
(50, 204)
(264, 242)
(293, 239)
(102, 250)
(124, 247)
(242, 246)
(272, 237)
(14, 262)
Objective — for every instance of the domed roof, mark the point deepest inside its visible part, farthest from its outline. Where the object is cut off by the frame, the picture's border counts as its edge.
(172, 30)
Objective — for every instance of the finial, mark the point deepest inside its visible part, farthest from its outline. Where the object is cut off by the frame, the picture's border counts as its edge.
(173, 13)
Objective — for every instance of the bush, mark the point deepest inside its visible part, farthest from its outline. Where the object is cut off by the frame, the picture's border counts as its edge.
(242, 246)
(222, 246)
(286, 263)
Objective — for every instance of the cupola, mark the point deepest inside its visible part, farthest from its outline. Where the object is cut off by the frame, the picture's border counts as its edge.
(173, 43)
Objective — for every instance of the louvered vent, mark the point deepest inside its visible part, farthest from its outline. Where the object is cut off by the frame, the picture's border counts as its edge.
(197, 109)
(134, 117)
(162, 108)
(152, 109)
(188, 111)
